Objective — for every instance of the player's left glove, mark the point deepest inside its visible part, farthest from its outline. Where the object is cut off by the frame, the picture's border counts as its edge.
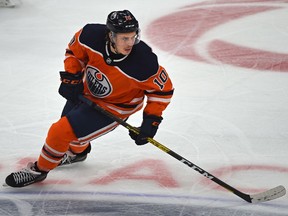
(71, 85)
(148, 128)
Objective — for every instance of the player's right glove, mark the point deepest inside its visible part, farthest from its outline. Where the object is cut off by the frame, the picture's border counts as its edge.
(148, 128)
(71, 85)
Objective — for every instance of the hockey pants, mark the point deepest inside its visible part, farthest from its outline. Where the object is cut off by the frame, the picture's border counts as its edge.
(78, 125)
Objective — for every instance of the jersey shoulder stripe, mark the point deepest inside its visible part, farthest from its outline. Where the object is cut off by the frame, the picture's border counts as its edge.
(163, 93)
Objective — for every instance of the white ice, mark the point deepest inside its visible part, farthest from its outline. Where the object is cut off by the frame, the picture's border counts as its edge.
(222, 117)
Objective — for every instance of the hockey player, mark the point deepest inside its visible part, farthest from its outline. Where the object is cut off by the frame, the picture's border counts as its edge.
(112, 67)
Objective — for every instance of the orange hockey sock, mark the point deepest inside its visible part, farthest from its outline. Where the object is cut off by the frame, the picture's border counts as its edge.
(59, 137)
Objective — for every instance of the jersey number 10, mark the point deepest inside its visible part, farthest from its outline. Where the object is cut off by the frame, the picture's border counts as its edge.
(161, 79)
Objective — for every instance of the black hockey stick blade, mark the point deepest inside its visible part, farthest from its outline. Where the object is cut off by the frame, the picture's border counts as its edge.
(271, 194)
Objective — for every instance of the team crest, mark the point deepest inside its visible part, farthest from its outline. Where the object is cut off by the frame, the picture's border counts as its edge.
(98, 83)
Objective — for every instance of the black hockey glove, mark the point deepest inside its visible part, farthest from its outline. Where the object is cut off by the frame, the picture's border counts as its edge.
(148, 128)
(71, 85)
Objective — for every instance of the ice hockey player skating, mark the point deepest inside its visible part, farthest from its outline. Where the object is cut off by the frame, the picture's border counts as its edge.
(112, 67)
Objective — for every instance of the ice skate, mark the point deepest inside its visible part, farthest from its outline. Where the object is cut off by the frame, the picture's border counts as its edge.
(29, 175)
(70, 157)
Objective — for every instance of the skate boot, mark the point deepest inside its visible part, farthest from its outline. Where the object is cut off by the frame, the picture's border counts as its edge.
(29, 175)
(70, 157)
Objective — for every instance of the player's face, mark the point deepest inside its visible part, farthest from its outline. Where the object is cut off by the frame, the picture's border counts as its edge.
(124, 42)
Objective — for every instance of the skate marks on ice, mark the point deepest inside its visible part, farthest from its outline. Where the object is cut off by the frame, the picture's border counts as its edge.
(109, 203)
(32, 201)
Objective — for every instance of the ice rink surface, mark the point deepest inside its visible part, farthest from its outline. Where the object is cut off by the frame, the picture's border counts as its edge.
(229, 115)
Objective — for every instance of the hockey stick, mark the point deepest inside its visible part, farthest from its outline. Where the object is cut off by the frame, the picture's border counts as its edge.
(271, 194)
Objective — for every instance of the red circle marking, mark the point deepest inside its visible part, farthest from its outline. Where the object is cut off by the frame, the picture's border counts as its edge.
(179, 32)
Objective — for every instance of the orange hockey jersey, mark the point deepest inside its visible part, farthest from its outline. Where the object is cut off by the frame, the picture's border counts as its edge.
(116, 82)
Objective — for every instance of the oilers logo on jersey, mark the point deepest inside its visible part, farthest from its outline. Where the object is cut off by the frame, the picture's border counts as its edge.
(98, 84)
